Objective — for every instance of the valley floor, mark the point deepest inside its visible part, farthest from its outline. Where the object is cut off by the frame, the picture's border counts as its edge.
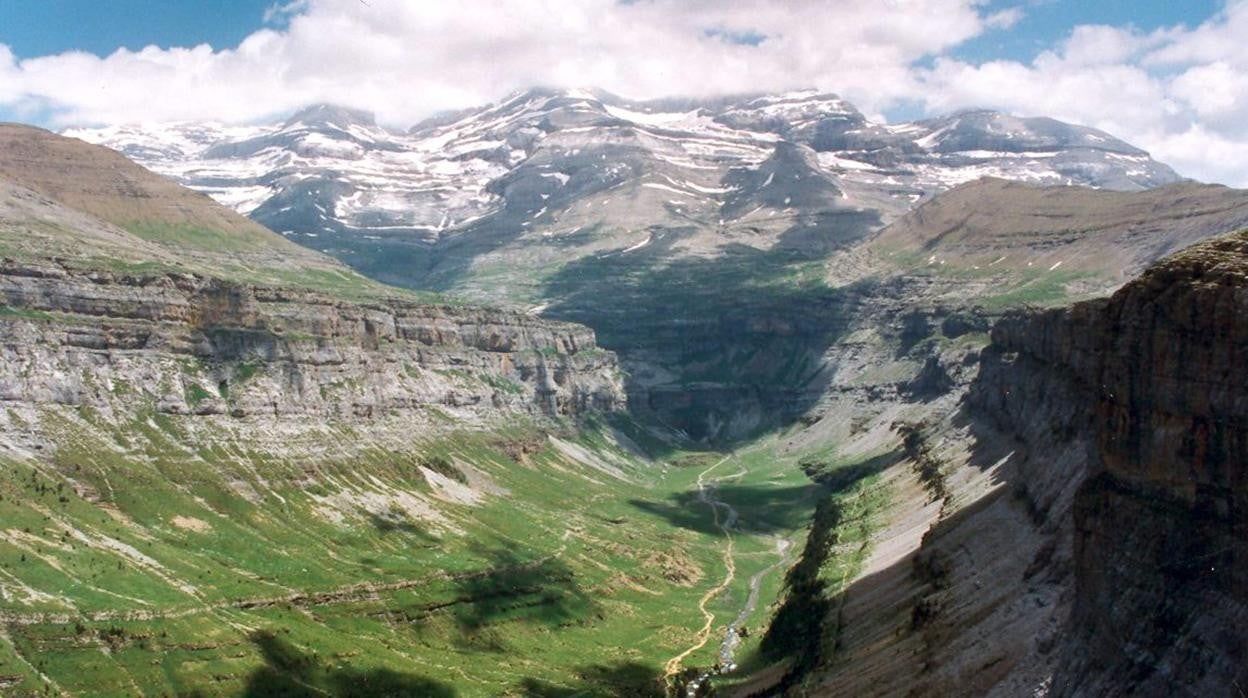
(514, 562)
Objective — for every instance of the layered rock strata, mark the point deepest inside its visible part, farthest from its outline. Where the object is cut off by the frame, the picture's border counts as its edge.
(197, 345)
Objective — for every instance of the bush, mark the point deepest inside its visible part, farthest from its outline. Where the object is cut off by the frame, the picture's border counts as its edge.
(443, 466)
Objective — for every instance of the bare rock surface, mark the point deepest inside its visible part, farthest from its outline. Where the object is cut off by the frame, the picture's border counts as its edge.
(1089, 538)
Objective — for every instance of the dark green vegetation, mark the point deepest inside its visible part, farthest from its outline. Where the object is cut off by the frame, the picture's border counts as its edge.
(800, 634)
(290, 672)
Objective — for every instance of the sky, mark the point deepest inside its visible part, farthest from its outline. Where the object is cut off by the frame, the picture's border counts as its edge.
(1167, 76)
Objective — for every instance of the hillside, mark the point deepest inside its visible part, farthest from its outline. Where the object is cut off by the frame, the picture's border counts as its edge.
(1071, 528)
(58, 189)
(994, 224)
(785, 224)
(854, 441)
(222, 487)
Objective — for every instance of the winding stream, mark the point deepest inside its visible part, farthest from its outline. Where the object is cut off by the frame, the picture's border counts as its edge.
(728, 646)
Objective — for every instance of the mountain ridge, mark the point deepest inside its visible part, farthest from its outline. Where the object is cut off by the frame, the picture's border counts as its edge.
(142, 217)
(800, 342)
(498, 136)
(583, 206)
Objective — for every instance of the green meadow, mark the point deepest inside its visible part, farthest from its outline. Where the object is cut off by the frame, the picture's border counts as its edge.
(159, 555)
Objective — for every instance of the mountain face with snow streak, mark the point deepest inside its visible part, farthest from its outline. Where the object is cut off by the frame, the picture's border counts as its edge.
(729, 250)
(331, 178)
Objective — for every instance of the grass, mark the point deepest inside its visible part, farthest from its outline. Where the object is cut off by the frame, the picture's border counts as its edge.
(196, 394)
(158, 572)
(1038, 288)
(24, 313)
(195, 236)
(1007, 286)
(247, 254)
(803, 627)
(175, 554)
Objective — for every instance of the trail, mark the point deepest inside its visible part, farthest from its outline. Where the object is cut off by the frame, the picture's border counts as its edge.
(728, 647)
(704, 635)
(726, 524)
(304, 599)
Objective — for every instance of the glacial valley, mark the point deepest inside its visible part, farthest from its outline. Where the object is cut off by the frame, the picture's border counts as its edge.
(571, 395)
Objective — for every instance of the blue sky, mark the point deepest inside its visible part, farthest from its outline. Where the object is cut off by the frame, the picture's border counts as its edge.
(1170, 76)
(1045, 22)
(41, 27)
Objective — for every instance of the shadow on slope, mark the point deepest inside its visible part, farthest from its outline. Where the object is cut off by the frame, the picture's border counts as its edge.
(601, 680)
(972, 604)
(721, 348)
(544, 591)
(290, 672)
(802, 630)
(763, 510)
(514, 589)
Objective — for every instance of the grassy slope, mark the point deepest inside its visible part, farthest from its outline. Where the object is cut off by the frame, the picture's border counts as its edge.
(91, 207)
(549, 589)
(151, 553)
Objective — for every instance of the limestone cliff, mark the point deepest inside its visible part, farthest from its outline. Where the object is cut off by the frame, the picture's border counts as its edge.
(1160, 397)
(1160, 547)
(1087, 536)
(123, 292)
(206, 346)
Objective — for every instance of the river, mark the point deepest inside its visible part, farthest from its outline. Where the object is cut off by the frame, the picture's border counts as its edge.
(727, 524)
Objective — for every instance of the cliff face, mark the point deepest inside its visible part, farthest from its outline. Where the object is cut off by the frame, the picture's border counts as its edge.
(1157, 378)
(1161, 541)
(202, 346)
(1088, 533)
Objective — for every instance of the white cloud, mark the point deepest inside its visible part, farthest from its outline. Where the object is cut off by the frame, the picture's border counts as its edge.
(1214, 90)
(8, 79)
(406, 59)
(281, 12)
(1004, 19)
(1181, 93)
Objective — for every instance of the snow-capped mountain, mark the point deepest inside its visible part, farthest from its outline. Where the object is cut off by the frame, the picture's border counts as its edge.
(718, 246)
(332, 172)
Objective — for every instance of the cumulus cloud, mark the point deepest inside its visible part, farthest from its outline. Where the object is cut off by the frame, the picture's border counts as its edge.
(1179, 92)
(405, 60)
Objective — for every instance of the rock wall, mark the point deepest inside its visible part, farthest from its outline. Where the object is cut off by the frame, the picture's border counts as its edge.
(1161, 529)
(1091, 535)
(1158, 379)
(194, 345)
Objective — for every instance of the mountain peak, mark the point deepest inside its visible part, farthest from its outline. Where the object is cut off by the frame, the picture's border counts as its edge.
(545, 91)
(988, 129)
(325, 114)
(538, 156)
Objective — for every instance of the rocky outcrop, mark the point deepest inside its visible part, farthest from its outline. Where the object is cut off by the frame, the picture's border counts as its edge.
(1157, 385)
(1159, 393)
(1161, 542)
(190, 344)
(1090, 536)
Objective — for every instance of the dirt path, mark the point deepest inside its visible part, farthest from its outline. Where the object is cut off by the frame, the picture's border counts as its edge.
(307, 599)
(706, 496)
